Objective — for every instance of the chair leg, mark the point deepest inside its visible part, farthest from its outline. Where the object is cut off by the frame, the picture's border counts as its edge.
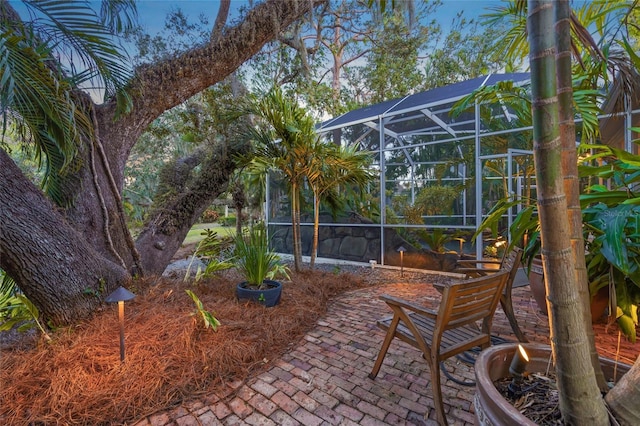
(434, 367)
(385, 346)
(507, 307)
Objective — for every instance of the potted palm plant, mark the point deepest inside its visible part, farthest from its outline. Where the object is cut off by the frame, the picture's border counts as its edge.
(260, 266)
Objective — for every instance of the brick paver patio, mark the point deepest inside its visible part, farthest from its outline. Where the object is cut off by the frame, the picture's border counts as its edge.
(324, 379)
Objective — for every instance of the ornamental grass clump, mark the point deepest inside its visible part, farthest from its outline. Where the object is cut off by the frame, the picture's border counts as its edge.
(255, 260)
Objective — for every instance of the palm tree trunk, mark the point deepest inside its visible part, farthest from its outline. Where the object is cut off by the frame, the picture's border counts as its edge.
(570, 171)
(295, 226)
(580, 399)
(316, 226)
(623, 398)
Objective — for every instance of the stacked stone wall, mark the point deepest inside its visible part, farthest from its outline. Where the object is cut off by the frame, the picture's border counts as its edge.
(359, 241)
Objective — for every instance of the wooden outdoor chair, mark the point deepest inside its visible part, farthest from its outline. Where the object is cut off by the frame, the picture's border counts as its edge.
(510, 262)
(450, 330)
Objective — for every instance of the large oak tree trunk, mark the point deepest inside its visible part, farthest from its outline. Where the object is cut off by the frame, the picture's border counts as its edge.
(58, 270)
(32, 248)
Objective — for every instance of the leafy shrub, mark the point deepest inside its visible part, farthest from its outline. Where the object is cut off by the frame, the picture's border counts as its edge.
(209, 216)
(227, 221)
(211, 250)
(208, 318)
(16, 311)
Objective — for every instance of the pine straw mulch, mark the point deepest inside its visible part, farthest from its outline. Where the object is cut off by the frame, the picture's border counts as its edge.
(170, 356)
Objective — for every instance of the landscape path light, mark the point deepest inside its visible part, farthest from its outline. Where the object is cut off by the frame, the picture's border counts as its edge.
(401, 249)
(517, 368)
(120, 295)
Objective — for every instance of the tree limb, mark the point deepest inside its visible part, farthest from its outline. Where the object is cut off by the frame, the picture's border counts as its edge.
(221, 20)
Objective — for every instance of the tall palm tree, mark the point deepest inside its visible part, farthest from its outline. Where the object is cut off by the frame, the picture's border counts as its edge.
(333, 167)
(567, 131)
(580, 398)
(601, 58)
(284, 139)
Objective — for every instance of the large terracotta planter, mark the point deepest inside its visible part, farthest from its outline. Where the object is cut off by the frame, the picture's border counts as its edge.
(492, 364)
(536, 283)
(599, 301)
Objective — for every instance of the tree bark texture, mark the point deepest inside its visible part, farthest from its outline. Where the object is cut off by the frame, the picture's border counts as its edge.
(54, 257)
(154, 89)
(53, 264)
(580, 399)
(181, 204)
(570, 171)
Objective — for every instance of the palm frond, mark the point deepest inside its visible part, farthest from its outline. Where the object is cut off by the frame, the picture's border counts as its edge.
(64, 46)
(85, 38)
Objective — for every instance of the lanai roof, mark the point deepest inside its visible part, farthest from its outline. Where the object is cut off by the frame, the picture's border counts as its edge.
(420, 103)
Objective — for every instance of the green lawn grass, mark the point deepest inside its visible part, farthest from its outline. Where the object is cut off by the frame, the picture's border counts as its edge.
(195, 234)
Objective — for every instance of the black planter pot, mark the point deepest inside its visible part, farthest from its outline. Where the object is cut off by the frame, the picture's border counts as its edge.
(268, 297)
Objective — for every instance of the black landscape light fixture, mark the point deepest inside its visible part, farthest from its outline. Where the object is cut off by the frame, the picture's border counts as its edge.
(120, 295)
(401, 250)
(517, 369)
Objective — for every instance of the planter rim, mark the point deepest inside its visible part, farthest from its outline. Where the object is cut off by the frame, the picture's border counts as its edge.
(489, 396)
(493, 408)
(272, 284)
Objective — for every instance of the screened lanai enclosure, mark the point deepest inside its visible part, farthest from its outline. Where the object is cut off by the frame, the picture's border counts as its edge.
(439, 173)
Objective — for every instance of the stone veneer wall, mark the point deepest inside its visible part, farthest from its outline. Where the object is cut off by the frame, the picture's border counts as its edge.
(360, 244)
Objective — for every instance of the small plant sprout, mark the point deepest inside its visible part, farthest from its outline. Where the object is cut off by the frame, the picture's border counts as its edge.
(207, 317)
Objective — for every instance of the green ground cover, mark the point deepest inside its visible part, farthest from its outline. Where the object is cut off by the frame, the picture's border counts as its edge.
(195, 234)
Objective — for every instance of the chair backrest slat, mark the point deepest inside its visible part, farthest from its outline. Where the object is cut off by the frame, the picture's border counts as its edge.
(511, 262)
(468, 301)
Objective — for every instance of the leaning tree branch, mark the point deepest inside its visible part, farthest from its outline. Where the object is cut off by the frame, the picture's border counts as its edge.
(160, 86)
(186, 195)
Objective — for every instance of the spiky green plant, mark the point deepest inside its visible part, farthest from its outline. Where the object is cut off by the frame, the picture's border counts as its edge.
(255, 260)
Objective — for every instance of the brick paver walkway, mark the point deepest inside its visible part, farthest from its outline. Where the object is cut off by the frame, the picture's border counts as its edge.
(324, 379)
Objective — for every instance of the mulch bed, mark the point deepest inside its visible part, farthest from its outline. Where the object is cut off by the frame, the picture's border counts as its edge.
(170, 356)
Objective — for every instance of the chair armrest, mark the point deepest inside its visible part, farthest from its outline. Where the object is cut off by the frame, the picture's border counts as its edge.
(475, 261)
(474, 272)
(394, 301)
(439, 286)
